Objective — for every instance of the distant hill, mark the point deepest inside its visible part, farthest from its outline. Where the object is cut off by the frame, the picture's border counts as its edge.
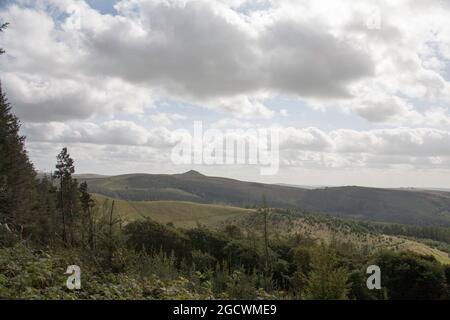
(409, 206)
(89, 176)
(299, 186)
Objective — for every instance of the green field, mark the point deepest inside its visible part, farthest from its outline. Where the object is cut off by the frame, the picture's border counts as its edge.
(180, 213)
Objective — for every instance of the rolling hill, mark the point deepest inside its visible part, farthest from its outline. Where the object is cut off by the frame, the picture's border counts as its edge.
(406, 206)
(320, 227)
(418, 207)
(180, 213)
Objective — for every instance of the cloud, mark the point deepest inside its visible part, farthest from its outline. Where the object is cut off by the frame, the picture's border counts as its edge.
(307, 61)
(90, 80)
(304, 139)
(205, 53)
(115, 132)
(212, 55)
(343, 148)
(40, 99)
(166, 119)
(297, 145)
(411, 62)
(394, 152)
(179, 54)
(240, 107)
(422, 142)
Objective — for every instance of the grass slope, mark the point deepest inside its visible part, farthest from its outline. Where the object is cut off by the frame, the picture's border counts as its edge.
(180, 213)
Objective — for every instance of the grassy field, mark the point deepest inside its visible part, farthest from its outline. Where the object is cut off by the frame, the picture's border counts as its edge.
(424, 249)
(180, 213)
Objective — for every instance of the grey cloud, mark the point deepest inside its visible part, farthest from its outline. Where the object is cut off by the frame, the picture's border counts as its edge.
(200, 52)
(107, 133)
(194, 51)
(311, 147)
(186, 50)
(424, 142)
(306, 61)
(421, 142)
(69, 106)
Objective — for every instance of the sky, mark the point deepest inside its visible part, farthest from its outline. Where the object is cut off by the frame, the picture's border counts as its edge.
(359, 91)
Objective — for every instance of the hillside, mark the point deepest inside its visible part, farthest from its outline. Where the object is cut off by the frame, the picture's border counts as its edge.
(363, 236)
(180, 213)
(321, 228)
(419, 207)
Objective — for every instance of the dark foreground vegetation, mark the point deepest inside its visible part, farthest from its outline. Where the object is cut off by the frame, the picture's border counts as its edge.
(147, 260)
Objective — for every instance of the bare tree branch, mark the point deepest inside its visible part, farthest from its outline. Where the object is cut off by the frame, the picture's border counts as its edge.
(2, 27)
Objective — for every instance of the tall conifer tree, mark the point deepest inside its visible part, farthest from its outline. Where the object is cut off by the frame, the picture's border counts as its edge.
(18, 196)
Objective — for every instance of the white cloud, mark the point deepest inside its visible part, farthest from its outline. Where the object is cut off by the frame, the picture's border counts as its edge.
(80, 77)
(39, 99)
(335, 148)
(166, 119)
(115, 132)
(202, 52)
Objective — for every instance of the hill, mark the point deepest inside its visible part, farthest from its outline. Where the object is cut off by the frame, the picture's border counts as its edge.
(361, 235)
(418, 207)
(180, 213)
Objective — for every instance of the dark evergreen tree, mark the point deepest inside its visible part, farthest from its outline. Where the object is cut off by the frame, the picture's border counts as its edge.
(18, 196)
(46, 221)
(68, 199)
(17, 184)
(88, 218)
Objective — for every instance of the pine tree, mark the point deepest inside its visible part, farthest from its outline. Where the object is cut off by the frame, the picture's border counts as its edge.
(46, 220)
(68, 199)
(18, 192)
(88, 219)
(17, 176)
(25, 203)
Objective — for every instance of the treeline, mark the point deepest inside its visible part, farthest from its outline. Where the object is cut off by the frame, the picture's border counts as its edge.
(433, 233)
(53, 211)
(23, 205)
